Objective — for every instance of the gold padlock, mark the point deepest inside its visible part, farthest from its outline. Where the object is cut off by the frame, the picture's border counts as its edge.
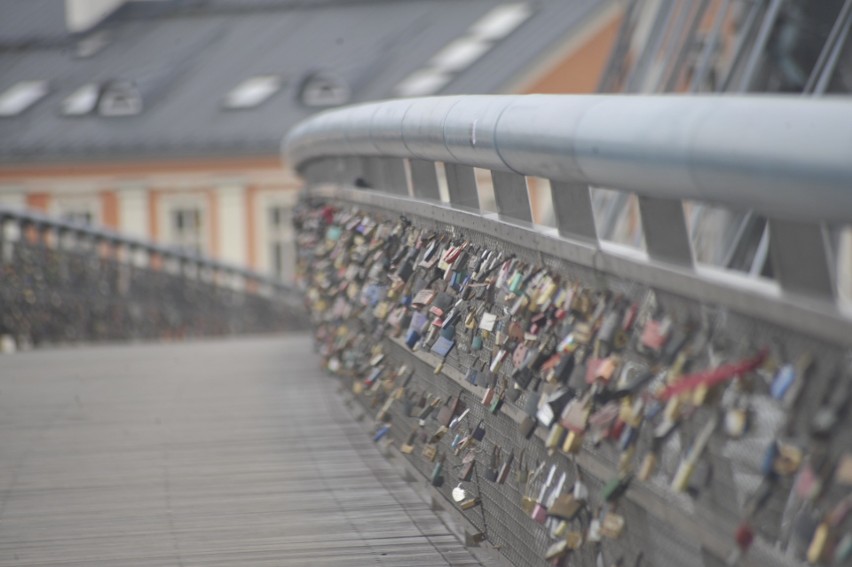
(573, 442)
(560, 530)
(555, 437)
(683, 474)
(788, 460)
(625, 459)
(672, 409)
(699, 395)
(469, 503)
(574, 539)
(646, 469)
(819, 543)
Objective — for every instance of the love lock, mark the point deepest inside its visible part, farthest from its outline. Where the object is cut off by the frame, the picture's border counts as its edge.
(459, 493)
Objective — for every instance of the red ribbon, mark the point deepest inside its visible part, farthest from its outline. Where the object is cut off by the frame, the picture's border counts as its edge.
(712, 377)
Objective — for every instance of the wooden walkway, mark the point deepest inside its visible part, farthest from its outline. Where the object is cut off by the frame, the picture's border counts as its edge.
(213, 453)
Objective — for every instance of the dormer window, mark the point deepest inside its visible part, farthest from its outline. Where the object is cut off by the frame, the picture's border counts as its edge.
(120, 98)
(324, 90)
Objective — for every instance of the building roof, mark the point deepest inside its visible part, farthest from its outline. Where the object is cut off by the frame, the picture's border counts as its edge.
(178, 61)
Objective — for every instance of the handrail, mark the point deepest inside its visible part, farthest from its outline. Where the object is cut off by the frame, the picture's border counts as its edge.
(44, 221)
(787, 158)
(781, 156)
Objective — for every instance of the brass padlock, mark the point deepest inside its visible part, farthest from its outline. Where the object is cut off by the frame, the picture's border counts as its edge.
(555, 437)
(574, 539)
(573, 442)
(429, 452)
(819, 544)
(408, 447)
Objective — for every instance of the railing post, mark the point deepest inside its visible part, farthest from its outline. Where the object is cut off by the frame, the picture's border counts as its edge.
(512, 196)
(800, 259)
(461, 185)
(392, 176)
(424, 180)
(664, 226)
(572, 206)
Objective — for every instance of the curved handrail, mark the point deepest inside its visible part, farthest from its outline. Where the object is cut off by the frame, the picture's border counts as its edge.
(783, 156)
(35, 218)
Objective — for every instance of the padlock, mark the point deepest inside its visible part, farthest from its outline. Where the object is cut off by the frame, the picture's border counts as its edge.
(574, 539)
(469, 503)
(612, 525)
(503, 473)
(615, 488)
(555, 438)
(819, 544)
(479, 431)
(557, 550)
(437, 478)
(429, 452)
(646, 469)
(408, 447)
(565, 507)
(573, 442)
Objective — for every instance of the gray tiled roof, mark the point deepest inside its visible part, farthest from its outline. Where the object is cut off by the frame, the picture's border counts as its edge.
(186, 55)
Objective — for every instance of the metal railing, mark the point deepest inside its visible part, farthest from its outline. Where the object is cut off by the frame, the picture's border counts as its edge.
(65, 282)
(782, 157)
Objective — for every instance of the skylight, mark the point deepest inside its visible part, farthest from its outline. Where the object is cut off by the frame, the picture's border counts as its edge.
(91, 45)
(19, 97)
(82, 101)
(501, 21)
(423, 82)
(253, 91)
(459, 54)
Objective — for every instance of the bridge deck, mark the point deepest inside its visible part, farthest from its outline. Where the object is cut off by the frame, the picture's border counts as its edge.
(212, 453)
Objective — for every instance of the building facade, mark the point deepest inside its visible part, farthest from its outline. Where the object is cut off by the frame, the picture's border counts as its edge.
(164, 119)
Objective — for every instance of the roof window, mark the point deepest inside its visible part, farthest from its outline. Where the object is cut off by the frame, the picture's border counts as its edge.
(91, 45)
(501, 21)
(324, 90)
(82, 101)
(20, 96)
(252, 92)
(120, 98)
(422, 82)
(460, 54)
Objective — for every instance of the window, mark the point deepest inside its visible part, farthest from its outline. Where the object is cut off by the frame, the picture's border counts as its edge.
(252, 92)
(78, 217)
(186, 228)
(422, 82)
(21, 96)
(501, 21)
(81, 209)
(82, 101)
(120, 98)
(280, 242)
(325, 90)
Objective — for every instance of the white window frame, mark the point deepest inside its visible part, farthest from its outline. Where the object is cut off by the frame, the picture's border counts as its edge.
(170, 204)
(65, 206)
